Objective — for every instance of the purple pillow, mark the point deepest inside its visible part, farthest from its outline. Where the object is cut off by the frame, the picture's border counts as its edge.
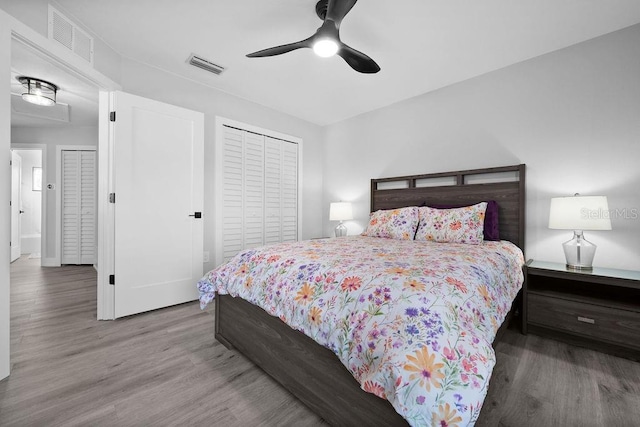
(491, 224)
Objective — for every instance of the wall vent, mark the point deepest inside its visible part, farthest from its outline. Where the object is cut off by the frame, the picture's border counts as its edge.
(205, 64)
(68, 34)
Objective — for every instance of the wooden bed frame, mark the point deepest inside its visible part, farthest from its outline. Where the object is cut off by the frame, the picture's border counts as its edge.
(313, 373)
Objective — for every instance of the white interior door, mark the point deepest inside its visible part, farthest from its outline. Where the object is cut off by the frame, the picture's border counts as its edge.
(16, 205)
(158, 178)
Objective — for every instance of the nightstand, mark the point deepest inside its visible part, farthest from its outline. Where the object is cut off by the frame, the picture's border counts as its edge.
(599, 309)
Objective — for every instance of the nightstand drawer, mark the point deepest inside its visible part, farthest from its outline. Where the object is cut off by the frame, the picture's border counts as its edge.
(594, 321)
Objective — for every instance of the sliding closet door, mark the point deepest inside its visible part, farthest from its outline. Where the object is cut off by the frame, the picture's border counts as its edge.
(257, 191)
(78, 207)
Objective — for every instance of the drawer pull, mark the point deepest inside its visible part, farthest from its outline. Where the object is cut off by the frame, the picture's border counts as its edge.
(586, 320)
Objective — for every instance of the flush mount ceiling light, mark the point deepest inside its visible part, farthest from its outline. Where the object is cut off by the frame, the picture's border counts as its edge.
(38, 91)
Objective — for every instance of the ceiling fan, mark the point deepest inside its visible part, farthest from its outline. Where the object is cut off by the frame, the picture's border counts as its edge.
(326, 40)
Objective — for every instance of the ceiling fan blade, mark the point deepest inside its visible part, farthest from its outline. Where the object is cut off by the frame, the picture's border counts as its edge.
(279, 50)
(358, 60)
(338, 9)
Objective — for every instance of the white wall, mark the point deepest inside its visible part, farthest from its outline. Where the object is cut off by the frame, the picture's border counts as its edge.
(53, 137)
(5, 189)
(573, 116)
(31, 219)
(149, 82)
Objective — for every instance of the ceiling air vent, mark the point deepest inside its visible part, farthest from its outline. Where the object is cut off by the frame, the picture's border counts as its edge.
(205, 64)
(68, 34)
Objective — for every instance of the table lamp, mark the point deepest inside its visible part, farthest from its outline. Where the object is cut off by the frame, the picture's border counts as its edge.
(340, 211)
(579, 213)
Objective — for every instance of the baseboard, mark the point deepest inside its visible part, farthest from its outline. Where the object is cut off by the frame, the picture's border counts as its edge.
(49, 262)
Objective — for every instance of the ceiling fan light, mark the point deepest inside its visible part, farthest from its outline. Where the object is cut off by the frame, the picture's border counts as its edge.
(325, 48)
(38, 92)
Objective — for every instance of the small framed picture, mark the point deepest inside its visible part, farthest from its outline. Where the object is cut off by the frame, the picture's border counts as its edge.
(36, 179)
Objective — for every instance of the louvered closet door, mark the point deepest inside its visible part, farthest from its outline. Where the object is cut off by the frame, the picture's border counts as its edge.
(273, 182)
(253, 194)
(289, 191)
(78, 207)
(259, 194)
(232, 192)
(281, 191)
(243, 192)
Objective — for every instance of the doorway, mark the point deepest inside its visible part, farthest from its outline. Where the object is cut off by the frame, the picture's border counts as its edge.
(27, 201)
(25, 52)
(71, 123)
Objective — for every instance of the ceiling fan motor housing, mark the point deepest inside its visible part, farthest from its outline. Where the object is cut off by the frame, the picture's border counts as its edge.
(321, 9)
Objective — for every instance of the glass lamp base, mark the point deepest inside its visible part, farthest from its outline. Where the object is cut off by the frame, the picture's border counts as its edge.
(341, 230)
(579, 252)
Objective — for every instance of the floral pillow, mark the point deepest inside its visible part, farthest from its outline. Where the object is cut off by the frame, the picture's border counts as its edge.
(393, 224)
(459, 225)
(491, 218)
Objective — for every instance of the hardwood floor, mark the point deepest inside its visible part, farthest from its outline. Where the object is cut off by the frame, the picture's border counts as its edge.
(159, 368)
(542, 382)
(165, 368)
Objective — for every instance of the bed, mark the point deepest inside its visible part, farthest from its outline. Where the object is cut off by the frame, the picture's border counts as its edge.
(318, 375)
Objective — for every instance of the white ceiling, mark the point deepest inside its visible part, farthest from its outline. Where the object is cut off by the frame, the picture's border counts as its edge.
(421, 45)
(81, 98)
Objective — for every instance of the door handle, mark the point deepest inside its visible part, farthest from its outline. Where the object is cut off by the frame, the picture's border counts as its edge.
(21, 211)
(196, 215)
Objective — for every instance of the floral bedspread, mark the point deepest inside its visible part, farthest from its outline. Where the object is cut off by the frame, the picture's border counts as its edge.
(413, 321)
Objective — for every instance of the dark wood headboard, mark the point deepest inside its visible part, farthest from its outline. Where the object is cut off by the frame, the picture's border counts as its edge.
(505, 185)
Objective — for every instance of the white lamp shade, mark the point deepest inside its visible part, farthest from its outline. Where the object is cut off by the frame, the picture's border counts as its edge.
(340, 211)
(579, 213)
